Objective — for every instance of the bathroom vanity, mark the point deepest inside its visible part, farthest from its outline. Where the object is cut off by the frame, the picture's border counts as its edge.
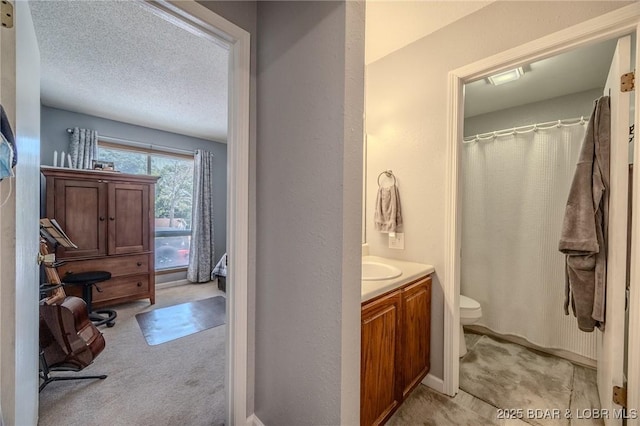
(396, 321)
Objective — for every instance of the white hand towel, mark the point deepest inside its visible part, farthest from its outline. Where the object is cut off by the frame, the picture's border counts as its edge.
(388, 214)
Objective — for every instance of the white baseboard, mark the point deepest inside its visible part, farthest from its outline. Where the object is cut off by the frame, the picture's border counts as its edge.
(434, 383)
(253, 420)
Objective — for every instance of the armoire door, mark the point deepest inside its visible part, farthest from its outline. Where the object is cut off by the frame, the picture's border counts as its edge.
(80, 208)
(128, 218)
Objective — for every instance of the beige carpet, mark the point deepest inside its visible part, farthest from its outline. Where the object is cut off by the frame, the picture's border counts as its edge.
(178, 382)
(506, 375)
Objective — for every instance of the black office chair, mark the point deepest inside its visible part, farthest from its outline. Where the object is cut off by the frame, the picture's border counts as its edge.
(87, 280)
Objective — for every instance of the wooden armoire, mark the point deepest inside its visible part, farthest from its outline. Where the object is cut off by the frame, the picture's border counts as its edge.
(110, 217)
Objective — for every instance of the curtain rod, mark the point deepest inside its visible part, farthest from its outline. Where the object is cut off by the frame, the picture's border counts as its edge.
(526, 129)
(129, 142)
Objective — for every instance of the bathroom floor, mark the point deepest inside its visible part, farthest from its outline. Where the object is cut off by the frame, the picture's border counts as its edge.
(504, 383)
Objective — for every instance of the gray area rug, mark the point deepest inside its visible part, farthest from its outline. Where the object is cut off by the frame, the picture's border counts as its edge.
(166, 324)
(510, 376)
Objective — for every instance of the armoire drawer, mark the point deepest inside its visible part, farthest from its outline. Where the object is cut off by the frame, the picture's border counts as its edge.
(134, 287)
(118, 266)
(122, 287)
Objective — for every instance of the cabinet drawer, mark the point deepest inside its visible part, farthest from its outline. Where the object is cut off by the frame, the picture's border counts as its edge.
(118, 266)
(116, 290)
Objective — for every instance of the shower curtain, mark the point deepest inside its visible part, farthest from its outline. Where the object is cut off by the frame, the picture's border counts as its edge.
(513, 199)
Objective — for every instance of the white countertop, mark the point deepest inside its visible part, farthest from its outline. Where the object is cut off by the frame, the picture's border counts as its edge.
(410, 272)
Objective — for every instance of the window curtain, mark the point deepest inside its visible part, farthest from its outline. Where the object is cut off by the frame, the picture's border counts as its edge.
(83, 147)
(514, 196)
(201, 255)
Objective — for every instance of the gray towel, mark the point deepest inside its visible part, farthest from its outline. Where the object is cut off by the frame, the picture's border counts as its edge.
(584, 230)
(388, 213)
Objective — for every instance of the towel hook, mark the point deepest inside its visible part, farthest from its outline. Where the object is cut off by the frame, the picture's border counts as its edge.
(389, 174)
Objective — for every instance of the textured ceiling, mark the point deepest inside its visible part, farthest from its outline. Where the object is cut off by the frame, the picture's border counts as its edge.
(117, 60)
(572, 72)
(393, 24)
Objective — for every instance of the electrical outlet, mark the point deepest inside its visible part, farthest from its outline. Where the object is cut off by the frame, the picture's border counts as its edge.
(396, 241)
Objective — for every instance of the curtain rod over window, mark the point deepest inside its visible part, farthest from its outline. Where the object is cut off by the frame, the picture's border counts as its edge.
(526, 129)
(136, 144)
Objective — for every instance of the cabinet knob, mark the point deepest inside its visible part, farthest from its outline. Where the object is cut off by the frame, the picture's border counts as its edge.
(101, 218)
(139, 284)
(112, 218)
(139, 263)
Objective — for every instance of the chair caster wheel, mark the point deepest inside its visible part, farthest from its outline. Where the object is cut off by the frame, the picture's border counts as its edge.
(111, 324)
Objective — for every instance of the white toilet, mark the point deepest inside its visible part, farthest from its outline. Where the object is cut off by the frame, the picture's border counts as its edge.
(470, 312)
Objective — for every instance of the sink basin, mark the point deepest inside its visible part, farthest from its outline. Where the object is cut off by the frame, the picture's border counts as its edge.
(376, 271)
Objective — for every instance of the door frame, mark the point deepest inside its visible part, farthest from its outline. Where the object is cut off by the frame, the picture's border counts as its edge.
(614, 24)
(205, 23)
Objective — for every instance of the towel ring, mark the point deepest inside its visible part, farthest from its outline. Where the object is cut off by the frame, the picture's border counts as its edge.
(389, 174)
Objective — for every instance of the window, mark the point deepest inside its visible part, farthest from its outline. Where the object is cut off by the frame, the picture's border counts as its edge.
(173, 198)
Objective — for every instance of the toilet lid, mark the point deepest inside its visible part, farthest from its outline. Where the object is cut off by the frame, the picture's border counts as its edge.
(468, 303)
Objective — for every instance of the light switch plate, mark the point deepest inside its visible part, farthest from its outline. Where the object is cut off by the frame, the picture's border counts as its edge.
(397, 241)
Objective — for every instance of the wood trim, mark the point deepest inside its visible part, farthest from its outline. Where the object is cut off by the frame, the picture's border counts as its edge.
(238, 228)
(616, 23)
(74, 174)
(451, 279)
(205, 23)
(633, 359)
(171, 271)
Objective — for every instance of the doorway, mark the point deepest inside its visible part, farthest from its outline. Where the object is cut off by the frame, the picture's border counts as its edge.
(522, 140)
(578, 36)
(208, 24)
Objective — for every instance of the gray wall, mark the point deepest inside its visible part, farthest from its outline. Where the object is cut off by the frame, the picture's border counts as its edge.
(407, 119)
(309, 159)
(562, 107)
(55, 122)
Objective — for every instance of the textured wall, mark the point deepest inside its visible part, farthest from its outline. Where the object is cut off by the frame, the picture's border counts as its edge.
(407, 113)
(570, 106)
(310, 78)
(55, 137)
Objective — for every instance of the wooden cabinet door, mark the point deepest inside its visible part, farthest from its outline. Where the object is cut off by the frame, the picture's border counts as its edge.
(128, 218)
(380, 390)
(80, 208)
(416, 330)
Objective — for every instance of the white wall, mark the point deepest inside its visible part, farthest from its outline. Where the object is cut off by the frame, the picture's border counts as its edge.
(19, 221)
(575, 105)
(7, 242)
(309, 159)
(406, 121)
(27, 220)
